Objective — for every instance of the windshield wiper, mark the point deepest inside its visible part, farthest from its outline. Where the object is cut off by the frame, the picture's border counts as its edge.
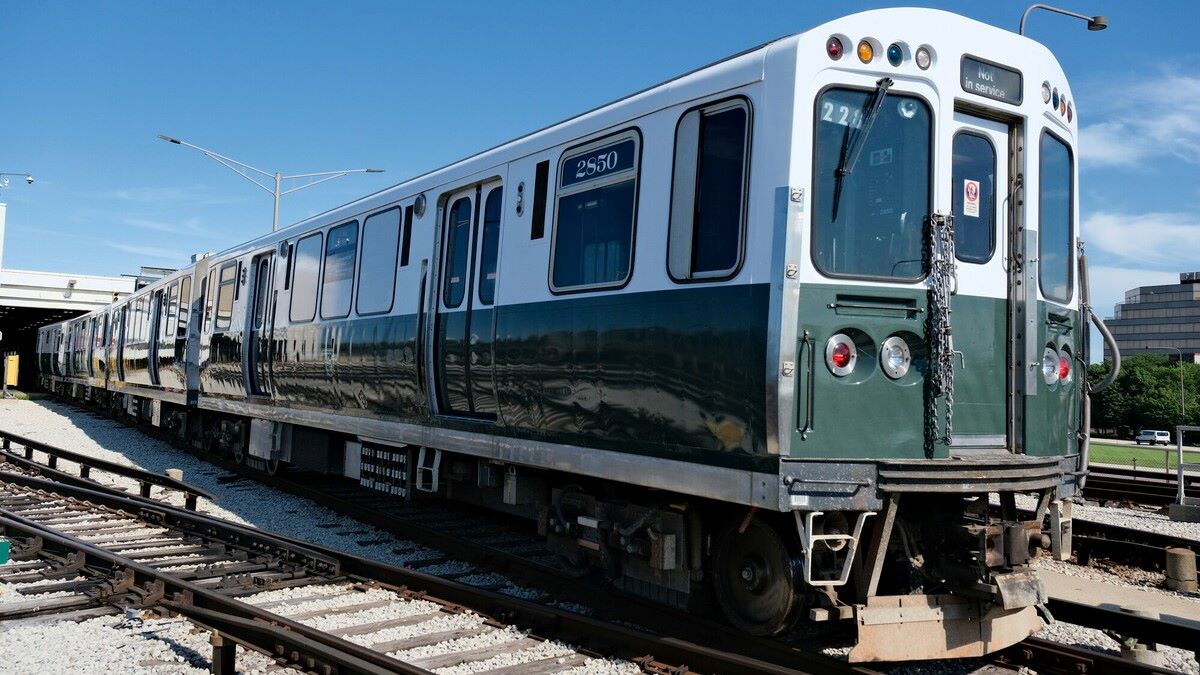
(852, 148)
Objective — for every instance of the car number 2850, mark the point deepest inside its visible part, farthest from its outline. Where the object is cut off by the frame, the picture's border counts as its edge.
(597, 164)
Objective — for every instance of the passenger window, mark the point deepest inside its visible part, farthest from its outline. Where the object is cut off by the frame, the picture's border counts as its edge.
(458, 243)
(185, 307)
(305, 270)
(338, 282)
(1055, 195)
(708, 192)
(225, 288)
(594, 216)
(492, 208)
(974, 183)
(377, 274)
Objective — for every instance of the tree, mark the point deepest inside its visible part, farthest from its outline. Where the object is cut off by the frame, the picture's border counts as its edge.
(1145, 395)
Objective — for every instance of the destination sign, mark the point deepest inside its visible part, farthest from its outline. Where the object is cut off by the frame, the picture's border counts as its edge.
(991, 80)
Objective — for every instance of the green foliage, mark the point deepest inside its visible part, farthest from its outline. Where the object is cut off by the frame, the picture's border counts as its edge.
(1145, 395)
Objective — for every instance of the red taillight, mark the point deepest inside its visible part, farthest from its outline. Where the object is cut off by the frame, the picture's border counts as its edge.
(834, 48)
(1064, 368)
(841, 355)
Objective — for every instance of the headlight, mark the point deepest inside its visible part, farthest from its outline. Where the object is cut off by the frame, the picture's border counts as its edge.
(1050, 365)
(895, 357)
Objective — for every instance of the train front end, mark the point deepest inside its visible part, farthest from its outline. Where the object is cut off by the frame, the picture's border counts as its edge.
(932, 340)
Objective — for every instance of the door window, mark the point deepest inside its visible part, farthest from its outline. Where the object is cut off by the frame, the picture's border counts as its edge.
(974, 193)
(458, 245)
(1055, 195)
(491, 245)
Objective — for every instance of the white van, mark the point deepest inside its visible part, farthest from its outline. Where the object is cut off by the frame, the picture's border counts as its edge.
(1152, 437)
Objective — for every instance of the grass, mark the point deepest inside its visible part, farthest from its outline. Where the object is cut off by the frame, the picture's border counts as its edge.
(1143, 457)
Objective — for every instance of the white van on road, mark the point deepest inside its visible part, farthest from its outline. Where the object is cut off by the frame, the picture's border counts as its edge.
(1152, 437)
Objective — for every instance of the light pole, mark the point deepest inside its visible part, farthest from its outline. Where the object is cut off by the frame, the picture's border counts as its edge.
(1093, 22)
(5, 174)
(240, 169)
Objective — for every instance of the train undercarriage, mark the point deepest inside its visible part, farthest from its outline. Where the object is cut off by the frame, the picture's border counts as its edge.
(927, 574)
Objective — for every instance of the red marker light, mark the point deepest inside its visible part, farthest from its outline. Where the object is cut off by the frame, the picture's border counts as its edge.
(834, 48)
(1064, 368)
(841, 355)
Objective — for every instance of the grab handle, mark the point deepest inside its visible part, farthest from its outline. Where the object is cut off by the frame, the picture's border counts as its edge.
(807, 349)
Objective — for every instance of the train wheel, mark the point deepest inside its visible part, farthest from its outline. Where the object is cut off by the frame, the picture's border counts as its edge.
(754, 578)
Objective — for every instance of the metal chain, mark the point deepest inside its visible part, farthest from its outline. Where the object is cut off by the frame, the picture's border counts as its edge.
(943, 273)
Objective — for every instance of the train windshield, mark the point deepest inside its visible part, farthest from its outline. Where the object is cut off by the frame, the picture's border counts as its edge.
(870, 222)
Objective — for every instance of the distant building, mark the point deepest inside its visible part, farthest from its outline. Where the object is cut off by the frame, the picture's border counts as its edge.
(1159, 319)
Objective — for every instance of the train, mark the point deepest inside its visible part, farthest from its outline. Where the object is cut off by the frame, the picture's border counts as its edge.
(787, 334)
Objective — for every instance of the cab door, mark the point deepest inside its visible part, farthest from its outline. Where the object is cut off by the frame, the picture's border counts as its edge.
(980, 191)
(463, 328)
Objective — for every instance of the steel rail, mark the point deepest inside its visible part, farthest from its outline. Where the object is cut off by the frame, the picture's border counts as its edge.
(87, 463)
(309, 644)
(669, 652)
(1165, 630)
(1047, 657)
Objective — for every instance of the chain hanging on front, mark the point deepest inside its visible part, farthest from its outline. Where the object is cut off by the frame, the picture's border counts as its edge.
(943, 277)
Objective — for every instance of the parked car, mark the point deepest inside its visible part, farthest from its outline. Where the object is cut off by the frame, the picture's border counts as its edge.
(1152, 437)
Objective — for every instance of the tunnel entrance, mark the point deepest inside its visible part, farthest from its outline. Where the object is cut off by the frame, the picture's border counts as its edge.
(18, 334)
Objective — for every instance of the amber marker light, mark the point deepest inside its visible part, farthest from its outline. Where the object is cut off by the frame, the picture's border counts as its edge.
(865, 51)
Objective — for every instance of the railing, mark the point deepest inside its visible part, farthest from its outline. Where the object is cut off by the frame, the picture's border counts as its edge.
(145, 479)
(1181, 467)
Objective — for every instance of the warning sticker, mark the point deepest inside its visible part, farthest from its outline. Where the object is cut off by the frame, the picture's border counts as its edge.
(971, 198)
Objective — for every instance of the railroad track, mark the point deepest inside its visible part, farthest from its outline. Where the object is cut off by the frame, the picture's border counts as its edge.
(305, 606)
(514, 553)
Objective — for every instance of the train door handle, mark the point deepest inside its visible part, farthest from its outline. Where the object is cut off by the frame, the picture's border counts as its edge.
(807, 359)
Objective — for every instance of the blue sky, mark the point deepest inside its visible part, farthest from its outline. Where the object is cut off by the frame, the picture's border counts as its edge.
(307, 86)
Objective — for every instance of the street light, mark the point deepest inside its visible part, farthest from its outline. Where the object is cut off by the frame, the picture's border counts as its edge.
(5, 174)
(1093, 22)
(240, 169)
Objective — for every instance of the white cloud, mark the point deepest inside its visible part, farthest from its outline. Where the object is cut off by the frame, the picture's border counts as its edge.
(191, 226)
(1109, 283)
(1146, 239)
(1145, 119)
(150, 252)
(194, 194)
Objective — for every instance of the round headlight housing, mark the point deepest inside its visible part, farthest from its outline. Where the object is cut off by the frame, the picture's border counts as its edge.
(895, 357)
(841, 354)
(1050, 365)
(1065, 366)
(923, 57)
